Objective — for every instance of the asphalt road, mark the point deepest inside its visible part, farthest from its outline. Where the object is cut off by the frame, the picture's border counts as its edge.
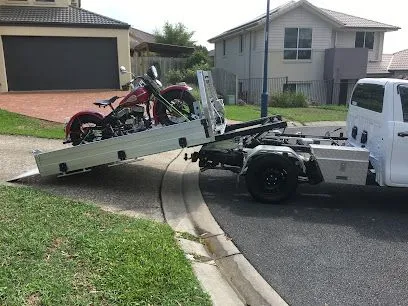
(329, 245)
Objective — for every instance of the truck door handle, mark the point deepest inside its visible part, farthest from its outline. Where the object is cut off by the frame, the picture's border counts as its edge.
(403, 134)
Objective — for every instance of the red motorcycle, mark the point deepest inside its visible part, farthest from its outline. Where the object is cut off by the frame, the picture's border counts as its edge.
(145, 105)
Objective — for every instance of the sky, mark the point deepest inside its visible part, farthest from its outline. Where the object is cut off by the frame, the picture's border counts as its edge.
(212, 17)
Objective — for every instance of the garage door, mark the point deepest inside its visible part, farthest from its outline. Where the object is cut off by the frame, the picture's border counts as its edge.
(54, 63)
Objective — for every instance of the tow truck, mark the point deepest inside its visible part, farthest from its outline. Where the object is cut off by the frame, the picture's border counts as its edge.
(373, 153)
(273, 162)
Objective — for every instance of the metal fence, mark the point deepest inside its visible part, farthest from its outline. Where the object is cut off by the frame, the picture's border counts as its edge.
(250, 90)
(225, 83)
(316, 92)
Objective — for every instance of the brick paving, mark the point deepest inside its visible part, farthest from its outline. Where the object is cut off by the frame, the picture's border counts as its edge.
(55, 106)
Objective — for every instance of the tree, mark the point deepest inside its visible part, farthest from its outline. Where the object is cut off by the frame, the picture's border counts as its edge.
(174, 34)
(198, 58)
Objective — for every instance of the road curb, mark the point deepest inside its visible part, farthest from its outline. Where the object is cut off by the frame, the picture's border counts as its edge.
(185, 210)
(233, 265)
(177, 216)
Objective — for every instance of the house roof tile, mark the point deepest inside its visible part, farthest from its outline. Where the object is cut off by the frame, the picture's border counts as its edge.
(350, 21)
(56, 16)
(389, 63)
(399, 61)
(338, 19)
(137, 37)
(380, 67)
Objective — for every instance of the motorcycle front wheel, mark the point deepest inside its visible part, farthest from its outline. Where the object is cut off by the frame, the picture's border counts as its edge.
(182, 109)
(81, 129)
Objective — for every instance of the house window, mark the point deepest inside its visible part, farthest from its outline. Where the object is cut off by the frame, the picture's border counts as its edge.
(297, 44)
(224, 47)
(365, 40)
(241, 43)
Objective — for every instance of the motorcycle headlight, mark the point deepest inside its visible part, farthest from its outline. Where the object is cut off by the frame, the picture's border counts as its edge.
(152, 73)
(159, 83)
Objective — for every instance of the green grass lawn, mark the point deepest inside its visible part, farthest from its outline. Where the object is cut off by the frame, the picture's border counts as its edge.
(55, 251)
(310, 114)
(16, 124)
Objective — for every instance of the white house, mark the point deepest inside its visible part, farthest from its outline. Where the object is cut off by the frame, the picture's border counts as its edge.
(307, 46)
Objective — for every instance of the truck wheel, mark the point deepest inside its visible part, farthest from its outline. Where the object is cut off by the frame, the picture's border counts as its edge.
(271, 178)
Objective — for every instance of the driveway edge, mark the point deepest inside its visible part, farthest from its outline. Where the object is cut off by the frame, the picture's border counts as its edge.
(177, 216)
(183, 179)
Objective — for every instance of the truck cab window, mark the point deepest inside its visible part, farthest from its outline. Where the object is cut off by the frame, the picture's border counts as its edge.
(403, 90)
(369, 96)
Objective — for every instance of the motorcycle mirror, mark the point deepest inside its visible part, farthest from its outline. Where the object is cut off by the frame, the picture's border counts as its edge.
(123, 69)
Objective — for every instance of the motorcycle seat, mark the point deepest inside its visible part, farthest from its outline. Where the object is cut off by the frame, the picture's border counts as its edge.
(107, 102)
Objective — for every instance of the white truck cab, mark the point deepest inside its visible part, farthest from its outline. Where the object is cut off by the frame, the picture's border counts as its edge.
(378, 121)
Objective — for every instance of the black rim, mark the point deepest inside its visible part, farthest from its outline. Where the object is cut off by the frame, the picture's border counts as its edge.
(180, 105)
(273, 180)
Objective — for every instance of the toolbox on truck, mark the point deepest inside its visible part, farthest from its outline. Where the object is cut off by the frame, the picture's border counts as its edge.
(341, 164)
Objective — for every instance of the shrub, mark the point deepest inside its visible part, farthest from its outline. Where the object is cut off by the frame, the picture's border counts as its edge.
(190, 76)
(196, 93)
(174, 76)
(186, 75)
(288, 99)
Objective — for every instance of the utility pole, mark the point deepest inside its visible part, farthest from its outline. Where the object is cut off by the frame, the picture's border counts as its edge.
(264, 102)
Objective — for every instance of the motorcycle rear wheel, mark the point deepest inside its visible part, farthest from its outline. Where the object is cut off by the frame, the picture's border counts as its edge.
(80, 129)
(182, 101)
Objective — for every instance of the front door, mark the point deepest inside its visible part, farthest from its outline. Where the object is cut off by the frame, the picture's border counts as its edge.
(399, 156)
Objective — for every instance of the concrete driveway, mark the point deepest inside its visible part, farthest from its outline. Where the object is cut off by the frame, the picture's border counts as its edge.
(132, 189)
(55, 106)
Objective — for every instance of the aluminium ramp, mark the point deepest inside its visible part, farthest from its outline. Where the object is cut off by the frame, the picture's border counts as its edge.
(119, 149)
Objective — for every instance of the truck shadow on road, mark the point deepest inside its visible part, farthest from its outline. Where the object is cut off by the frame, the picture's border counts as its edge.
(379, 213)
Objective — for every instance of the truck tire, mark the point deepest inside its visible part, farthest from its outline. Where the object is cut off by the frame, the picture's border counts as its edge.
(81, 126)
(271, 178)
